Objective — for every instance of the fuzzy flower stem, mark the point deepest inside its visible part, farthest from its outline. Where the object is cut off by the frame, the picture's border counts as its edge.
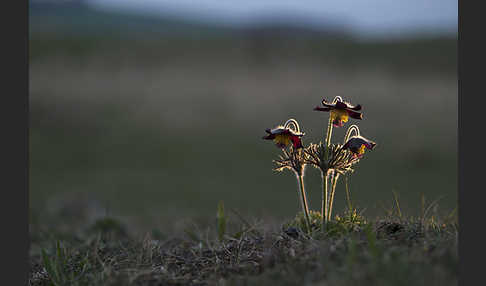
(337, 98)
(348, 195)
(305, 207)
(329, 180)
(334, 180)
(293, 122)
(329, 125)
(329, 132)
(348, 132)
(325, 174)
(324, 199)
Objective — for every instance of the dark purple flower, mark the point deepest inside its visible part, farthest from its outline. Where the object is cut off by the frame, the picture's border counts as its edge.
(284, 136)
(358, 144)
(340, 111)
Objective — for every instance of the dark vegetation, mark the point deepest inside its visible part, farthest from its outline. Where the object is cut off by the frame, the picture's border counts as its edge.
(392, 250)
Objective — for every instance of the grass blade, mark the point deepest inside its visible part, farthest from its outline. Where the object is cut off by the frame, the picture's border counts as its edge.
(221, 221)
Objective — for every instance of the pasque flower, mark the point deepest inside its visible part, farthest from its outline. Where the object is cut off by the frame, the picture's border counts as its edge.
(340, 111)
(357, 144)
(283, 136)
(293, 159)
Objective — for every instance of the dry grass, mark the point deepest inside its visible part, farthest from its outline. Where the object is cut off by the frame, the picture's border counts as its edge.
(386, 251)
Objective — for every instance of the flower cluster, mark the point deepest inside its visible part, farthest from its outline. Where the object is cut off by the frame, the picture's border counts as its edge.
(332, 160)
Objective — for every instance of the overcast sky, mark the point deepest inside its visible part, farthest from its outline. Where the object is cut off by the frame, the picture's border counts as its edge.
(367, 17)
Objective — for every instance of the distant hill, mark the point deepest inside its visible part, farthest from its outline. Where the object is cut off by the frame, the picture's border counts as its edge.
(76, 29)
(78, 17)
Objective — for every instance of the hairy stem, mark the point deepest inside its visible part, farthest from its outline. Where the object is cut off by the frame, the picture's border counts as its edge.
(324, 177)
(334, 180)
(329, 132)
(348, 195)
(329, 125)
(293, 122)
(348, 132)
(330, 175)
(305, 207)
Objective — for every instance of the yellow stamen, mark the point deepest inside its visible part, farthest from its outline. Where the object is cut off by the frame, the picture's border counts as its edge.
(283, 139)
(361, 149)
(339, 115)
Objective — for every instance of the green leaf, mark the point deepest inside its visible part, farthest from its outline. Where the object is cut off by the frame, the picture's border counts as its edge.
(48, 265)
(60, 253)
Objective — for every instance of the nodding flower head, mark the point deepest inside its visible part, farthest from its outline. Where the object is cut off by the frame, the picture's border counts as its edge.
(340, 111)
(284, 135)
(357, 144)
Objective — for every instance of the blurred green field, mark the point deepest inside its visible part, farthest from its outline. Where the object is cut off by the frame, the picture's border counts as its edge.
(158, 129)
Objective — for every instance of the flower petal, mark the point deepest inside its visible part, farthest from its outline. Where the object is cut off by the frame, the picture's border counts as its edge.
(277, 130)
(322, 108)
(354, 114)
(296, 141)
(269, 137)
(370, 144)
(327, 104)
(341, 105)
(355, 108)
